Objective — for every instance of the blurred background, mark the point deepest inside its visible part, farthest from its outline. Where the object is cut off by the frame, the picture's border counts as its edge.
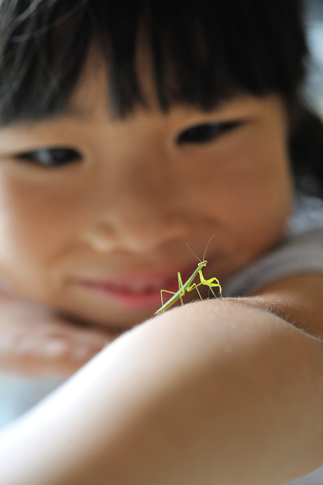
(314, 23)
(313, 93)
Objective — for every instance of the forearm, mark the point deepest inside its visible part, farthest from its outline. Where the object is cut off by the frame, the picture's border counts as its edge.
(37, 341)
(214, 392)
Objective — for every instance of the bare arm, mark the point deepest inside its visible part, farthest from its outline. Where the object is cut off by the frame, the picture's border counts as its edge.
(37, 342)
(217, 392)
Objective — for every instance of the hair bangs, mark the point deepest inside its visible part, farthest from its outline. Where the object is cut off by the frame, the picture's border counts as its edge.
(201, 52)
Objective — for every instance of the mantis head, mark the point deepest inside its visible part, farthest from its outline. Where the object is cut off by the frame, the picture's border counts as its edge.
(202, 264)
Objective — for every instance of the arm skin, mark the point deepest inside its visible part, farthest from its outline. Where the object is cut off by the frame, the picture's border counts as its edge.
(220, 392)
(35, 341)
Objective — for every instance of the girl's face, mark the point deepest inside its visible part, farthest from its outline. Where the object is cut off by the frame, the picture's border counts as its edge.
(95, 212)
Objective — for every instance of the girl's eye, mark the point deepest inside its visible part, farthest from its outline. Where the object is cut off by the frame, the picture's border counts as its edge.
(51, 157)
(206, 132)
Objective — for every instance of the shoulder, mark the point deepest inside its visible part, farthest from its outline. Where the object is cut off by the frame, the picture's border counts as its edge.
(300, 252)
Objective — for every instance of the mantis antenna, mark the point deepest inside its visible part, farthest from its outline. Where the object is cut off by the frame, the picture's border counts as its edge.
(204, 251)
(207, 246)
(193, 253)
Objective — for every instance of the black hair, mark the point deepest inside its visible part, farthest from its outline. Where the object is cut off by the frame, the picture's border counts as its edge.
(211, 47)
(202, 52)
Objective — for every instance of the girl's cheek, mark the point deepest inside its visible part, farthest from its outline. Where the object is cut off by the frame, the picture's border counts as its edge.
(35, 220)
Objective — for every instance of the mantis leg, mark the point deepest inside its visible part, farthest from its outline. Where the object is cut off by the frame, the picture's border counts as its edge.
(194, 286)
(180, 287)
(165, 291)
(199, 294)
(211, 283)
(181, 291)
(215, 285)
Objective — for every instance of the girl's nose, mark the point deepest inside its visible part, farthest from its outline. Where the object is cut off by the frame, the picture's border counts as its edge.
(136, 235)
(141, 216)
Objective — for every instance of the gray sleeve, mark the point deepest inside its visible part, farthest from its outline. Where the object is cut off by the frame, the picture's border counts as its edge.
(298, 254)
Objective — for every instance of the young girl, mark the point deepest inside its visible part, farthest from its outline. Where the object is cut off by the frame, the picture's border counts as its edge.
(129, 129)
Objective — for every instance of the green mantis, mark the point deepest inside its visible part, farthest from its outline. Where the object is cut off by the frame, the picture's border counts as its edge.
(189, 285)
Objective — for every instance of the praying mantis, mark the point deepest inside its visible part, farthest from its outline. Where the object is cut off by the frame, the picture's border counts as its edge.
(189, 285)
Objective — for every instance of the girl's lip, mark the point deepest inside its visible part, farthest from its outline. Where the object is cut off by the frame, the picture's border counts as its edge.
(138, 291)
